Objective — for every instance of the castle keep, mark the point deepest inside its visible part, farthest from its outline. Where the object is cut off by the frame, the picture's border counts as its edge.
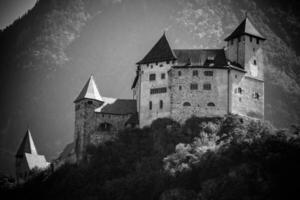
(178, 83)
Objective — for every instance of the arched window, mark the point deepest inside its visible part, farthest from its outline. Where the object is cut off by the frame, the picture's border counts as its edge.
(186, 104)
(211, 104)
(105, 126)
(161, 104)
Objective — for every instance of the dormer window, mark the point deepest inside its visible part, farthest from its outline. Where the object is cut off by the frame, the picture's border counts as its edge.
(210, 58)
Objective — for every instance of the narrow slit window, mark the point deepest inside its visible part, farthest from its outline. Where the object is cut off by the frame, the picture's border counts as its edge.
(161, 104)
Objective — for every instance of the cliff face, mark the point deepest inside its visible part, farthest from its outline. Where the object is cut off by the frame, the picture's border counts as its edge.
(48, 54)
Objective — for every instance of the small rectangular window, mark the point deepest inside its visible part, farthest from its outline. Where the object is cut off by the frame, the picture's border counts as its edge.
(168, 62)
(239, 39)
(152, 77)
(161, 65)
(161, 104)
(254, 62)
(257, 41)
(150, 105)
(195, 72)
(163, 76)
(179, 73)
(207, 86)
(251, 38)
(180, 87)
(194, 86)
(208, 73)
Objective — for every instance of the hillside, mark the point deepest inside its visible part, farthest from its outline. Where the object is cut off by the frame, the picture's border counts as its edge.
(47, 55)
(206, 158)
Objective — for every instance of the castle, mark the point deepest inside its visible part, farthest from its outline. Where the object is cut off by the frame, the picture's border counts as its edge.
(178, 83)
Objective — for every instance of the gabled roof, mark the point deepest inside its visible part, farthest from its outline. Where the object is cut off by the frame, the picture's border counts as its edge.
(245, 28)
(27, 145)
(89, 91)
(161, 51)
(36, 161)
(119, 107)
(201, 57)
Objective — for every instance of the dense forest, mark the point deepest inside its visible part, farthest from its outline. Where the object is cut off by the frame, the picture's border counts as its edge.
(205, 158)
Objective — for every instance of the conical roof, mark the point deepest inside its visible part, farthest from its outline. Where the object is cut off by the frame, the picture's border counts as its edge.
(89, 91)
(161, 51)
(27, 145)
(245, 28)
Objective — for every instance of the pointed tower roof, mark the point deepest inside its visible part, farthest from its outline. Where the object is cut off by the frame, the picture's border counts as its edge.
(161, 51)
(27, 145)
(245, 28)
(89, 91)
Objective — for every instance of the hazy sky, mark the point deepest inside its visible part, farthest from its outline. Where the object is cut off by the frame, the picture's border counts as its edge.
(12, 9)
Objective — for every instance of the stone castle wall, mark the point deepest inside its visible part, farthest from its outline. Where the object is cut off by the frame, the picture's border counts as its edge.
(186, 102)
(85, 122)
(107, 126)
(246, 102)
(147, 115)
